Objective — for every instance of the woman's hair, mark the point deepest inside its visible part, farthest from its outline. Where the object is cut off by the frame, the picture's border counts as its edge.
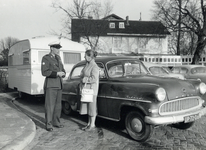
(91, 53)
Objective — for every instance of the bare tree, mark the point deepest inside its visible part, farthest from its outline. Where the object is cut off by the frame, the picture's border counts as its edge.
(82, 9)
(192, 22)
(5, 45)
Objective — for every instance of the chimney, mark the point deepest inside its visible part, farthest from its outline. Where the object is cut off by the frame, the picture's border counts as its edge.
(90, 17)
(140, 19)
(127, 20)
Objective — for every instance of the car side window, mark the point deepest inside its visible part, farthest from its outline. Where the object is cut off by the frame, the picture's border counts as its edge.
(183, 70)
(157, 70)
(115, 71)
(76, 72)
(102, 74)
(175, 70)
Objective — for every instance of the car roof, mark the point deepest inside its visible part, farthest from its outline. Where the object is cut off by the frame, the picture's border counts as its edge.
(189, 66)
(106, 59)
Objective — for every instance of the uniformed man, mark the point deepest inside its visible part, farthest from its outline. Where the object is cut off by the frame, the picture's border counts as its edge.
(53, 69)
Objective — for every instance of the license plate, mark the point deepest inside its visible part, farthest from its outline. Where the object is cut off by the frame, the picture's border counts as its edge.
(191, 118)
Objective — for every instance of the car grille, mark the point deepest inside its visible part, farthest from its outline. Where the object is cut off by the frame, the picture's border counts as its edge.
(180, 105)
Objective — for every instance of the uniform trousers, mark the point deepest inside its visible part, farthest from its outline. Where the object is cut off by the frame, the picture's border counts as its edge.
(53, 106)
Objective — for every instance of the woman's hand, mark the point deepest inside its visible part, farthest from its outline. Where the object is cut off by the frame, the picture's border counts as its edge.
(84, 79)
(61, 74)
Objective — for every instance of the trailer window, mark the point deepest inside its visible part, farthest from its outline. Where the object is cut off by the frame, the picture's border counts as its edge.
(10, 60)
(41, 54)
(76, 72)
(71, 58)
(26, 57)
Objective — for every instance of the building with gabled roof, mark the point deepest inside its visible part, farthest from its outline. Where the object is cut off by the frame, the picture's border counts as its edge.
(118, 35)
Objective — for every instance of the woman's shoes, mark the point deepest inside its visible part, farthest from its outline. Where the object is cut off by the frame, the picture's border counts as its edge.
(84, 128)
(90, 128)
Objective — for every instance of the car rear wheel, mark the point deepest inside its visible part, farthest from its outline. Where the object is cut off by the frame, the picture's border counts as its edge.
(183, 125)
(136, 127)
(66, 108)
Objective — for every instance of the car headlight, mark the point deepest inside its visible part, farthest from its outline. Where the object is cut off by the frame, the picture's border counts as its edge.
(202, 87)
(160, 94)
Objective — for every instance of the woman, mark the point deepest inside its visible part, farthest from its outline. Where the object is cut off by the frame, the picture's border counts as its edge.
(90, 75)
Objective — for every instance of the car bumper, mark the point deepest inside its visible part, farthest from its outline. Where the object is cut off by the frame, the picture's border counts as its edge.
(186, 117)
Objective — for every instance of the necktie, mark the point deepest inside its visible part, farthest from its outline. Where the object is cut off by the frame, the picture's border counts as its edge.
(56, 57)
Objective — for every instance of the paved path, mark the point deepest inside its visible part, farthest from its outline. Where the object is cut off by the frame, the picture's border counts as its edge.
(16, 129)
(108, 136)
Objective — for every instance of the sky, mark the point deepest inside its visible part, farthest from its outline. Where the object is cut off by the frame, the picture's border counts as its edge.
(23, 19)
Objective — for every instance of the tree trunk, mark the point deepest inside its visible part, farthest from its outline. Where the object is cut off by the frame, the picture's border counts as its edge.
(179, 28)
(199, 49)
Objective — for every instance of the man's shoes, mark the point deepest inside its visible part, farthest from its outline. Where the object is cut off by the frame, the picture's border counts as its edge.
(49, 129)
(59, 126)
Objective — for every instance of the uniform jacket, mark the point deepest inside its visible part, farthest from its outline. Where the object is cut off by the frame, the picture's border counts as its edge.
(49, 68)
(91, 70)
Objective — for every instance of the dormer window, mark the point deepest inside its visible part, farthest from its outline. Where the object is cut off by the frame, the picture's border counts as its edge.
(112, 25)
(121, 25)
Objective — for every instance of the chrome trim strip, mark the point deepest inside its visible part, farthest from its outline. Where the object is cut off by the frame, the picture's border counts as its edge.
(110, 97)
(69, 93)
(146, 101)
(108, 118)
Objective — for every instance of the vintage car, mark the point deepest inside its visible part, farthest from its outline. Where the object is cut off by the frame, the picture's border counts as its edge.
(162, 71)
(128, 93)
(191, 71)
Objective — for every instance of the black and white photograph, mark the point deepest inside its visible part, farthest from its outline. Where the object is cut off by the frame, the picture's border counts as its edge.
(103, 75)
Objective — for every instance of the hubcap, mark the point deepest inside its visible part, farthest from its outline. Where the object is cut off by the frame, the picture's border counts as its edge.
(136, 125)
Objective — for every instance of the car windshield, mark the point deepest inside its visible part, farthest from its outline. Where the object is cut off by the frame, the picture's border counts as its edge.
(180, 70)
(157, 70)
(197, 70)
(167, 69)
(119, 68)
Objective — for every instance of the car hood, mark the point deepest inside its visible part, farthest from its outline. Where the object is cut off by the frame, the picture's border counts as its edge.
(179, 76)
(175, 88)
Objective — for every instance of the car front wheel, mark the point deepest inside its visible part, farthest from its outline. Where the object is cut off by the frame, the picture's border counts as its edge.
(136, 127)
(66, 108)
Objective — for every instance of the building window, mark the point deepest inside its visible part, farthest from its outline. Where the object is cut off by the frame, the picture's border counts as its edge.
(112, 25)
(117, 42)
(121, 25)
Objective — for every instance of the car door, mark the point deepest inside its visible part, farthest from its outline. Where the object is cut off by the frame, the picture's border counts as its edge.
(71, 89)
(102, 105)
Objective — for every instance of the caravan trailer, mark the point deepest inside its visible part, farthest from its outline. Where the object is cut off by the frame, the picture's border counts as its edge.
(24, 62)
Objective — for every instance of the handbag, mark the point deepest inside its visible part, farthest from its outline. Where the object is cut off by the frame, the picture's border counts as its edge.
(87, 94)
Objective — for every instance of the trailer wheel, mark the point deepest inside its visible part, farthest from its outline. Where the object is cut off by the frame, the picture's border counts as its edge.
(136, 127)
(21, 94)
